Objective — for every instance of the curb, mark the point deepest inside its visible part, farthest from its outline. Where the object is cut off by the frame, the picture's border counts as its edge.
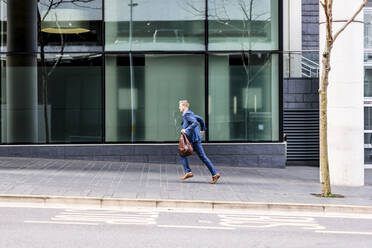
(121, 203)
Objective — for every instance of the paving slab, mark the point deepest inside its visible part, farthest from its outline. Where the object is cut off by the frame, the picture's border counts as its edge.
(101, 179)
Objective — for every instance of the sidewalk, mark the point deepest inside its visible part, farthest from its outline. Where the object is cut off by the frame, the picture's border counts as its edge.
(100, 179)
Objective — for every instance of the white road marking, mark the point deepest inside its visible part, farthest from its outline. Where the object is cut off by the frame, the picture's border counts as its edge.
(109, 217)
(205, 221)
(242, 219)
(206, 211)
(345, 232)
(198, 227)
(57, 222)
(261, 221)
(104, 217)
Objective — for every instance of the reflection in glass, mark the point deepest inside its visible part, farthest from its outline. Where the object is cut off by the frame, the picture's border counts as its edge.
(367, 28)
(70, 25)
(70, 85)
(160, 81)
(154, 25)
(367, 82)
(368, 148)
(367, 156)
(367, 118)
(243, 24)
(243, 97)
(3, 29)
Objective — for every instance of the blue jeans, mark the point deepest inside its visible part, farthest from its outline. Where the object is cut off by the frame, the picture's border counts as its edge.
(198, 149)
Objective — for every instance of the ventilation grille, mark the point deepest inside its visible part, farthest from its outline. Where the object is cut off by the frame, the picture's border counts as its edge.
(302, 130)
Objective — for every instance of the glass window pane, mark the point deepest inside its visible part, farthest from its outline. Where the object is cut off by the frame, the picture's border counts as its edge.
(368, 156)
(368, 28)
(64, 25)
(142, 103)
(243, 24)
(19, 101)
(3, 29)
(243, 97)
(71, 25)
(367, 118)
(368, 82)
(368, 148)
(154, 25)
(71, 87)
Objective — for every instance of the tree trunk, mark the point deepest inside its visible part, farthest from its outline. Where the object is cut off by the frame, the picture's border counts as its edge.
(325, 180)
(44, 79)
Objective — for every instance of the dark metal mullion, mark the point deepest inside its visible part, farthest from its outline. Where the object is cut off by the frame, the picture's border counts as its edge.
(2, 99)
(280, 20)
(206, 70)
(103, 70)
(206, 27)
(153, 52)
(103, 97)
(206, 95)
(138, 142)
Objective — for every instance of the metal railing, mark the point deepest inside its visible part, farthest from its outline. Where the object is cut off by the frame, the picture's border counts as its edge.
(301, 64)
(309, 68)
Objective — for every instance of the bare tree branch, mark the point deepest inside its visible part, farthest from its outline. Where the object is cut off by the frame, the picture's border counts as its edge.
(61, 52)
(189, 7)
(350, 20)
(322, 3)
(77, 3)
(327, 7)
(48, 10)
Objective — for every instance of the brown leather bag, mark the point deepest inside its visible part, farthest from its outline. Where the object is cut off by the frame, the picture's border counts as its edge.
(184, 146)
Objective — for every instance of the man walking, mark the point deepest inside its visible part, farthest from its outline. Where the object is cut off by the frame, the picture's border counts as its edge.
(190, 127)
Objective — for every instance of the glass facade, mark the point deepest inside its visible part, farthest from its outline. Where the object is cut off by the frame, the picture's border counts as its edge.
(3, 28)
(243, 25)
(144, 25)
(147, 108)
(71, 87)
(368, 83)
(113, 71)
(368, 133)
(243, 97)
(70, 26)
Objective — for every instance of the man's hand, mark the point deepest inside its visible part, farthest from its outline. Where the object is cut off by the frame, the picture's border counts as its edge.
(183, 131)
(202, 132)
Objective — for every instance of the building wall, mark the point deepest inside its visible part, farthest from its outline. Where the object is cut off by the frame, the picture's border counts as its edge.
(310, 28)
(300, 93)
(104, 82)
(264, 155)
(118, 71)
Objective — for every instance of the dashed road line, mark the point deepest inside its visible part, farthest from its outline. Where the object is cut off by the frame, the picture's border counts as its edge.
(101, 217)
(261, 221)
(57, 222)
(345, 232)
(198, 227)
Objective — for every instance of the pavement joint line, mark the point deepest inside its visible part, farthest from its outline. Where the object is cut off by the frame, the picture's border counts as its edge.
(119, 203)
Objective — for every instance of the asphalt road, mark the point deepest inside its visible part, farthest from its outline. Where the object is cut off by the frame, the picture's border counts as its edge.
(41, 227)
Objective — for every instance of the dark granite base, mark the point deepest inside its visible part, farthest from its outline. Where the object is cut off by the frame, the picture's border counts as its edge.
(245, 155)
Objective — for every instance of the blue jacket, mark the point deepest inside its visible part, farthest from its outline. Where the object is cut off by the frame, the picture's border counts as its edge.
(190, 123)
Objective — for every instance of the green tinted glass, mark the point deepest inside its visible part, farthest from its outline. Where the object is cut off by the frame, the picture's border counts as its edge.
(243, 97)
(154, 25)
(142, 99)
(243, 24)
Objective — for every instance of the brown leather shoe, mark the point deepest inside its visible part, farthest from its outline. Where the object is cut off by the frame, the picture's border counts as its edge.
(187, 175)
(215, 178)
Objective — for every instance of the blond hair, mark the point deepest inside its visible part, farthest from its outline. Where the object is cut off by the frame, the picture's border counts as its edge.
(184, 103)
